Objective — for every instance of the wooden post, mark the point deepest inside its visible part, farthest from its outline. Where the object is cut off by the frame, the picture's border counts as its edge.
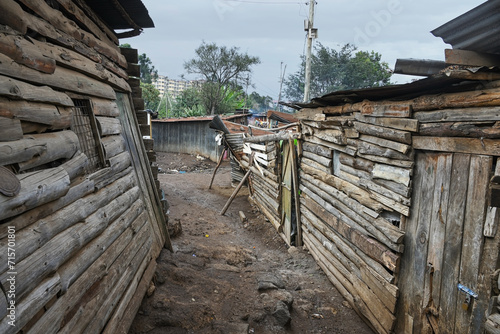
(235, 192)
(295, 178)
(217, 167)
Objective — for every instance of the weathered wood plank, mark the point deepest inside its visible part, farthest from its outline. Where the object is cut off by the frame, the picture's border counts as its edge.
(10, 129)
(453, 243)
(345, 149)
(470, 99)
(103, 26)
(369, 246)
(71, 270)
(387, 161)
(31, 216)
(103, 107)
(123, 317)
(11, 14)
(383, 132)
(59, 21)
(113, 145)
(42, 231)
(437, 232)
(35, 150)
(392, 173)
(473, 240)
(461, 129)
(459, 115)
(54, 317)
(44, 261)
(86, 21)
(366, 148)
(340, 206)
(404, 124)
(76, 166)
(19, 90)
(56, 118)
(402, 148)
(62, 78)
(37, 188)
(386, 109)
(458, 145)
(22, 52)
(491, 222)
(77, 62)
(28, 307)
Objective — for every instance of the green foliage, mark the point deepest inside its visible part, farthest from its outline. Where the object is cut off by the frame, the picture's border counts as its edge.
(333, 70)
(148, 71)
(259, 103)
(223, 69)
(189, 103)
(126, 45)
(151, 96)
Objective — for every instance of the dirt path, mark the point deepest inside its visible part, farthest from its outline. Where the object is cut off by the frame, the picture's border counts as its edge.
(226, 276)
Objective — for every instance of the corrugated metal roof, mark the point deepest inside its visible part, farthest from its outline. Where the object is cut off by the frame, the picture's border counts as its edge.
(438, 84)
(477, 30)
(110, 14)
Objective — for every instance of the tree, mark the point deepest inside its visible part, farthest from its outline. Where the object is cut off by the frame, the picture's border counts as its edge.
(259, 103)
(189, 103)
(333, 70)
(223, 69)
(148, 71)
(151, 95)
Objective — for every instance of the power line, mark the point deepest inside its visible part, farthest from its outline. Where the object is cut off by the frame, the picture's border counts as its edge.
(267, 2)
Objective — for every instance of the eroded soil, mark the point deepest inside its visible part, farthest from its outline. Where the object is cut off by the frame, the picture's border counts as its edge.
(231, 276)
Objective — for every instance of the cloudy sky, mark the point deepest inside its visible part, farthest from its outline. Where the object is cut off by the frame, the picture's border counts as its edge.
(273, 30)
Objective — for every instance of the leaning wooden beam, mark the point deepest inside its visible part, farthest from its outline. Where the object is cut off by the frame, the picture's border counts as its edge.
(217, 167)
(235, 192)
(37, 188)
(273, 137)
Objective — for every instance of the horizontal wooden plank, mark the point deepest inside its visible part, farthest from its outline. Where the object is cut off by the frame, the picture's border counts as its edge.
(404, 124)
(470, 58)
(19, 90)
(459, 115)
(383, 132)
(10, 129)
(61, 78)
(11, 14)
(386, 109)
(459, 145)
(461, 129)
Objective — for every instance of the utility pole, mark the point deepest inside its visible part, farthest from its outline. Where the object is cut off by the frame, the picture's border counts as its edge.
(282, 77)
(312, 33)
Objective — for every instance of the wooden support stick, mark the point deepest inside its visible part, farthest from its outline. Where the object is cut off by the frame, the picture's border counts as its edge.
(217, 167)
(298, 238)
(235, 192)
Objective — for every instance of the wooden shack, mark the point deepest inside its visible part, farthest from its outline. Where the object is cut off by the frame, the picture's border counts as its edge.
(81, 219)
(398, 199)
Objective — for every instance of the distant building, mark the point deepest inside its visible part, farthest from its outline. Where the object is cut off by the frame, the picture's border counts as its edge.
(174, 87)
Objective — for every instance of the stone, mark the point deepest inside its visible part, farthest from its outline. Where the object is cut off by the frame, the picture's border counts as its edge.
(282, 314)
(270, 281)
(284, 296)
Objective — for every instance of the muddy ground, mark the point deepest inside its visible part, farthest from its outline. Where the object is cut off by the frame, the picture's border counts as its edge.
(229, 276)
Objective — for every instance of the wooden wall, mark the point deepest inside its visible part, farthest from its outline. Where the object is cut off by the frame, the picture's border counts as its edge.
(85, 240)
(397, 207)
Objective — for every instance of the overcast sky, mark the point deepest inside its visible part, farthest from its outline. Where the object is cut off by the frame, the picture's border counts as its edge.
(274, 31)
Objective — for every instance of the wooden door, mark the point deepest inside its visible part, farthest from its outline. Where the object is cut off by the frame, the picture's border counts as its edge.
(286, 193)
(444, 246)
